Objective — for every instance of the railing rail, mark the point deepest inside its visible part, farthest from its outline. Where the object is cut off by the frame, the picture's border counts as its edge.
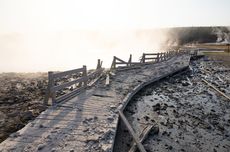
(146, 58)
(76, 85)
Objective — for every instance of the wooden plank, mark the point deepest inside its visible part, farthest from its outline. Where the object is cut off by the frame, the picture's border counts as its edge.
(121, 63)
(120, 60)
(142, 137)
(68, 84)
(62, 74)
(107, 80)
(131, 131)
(151, 53)
(50, 84)
(216, 89)
(150, 58)
(70, 95)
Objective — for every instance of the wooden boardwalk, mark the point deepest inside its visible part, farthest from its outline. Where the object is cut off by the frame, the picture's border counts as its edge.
(87, 122)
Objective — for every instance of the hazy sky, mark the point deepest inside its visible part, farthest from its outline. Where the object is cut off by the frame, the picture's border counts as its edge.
(40, 15)
(35, 30)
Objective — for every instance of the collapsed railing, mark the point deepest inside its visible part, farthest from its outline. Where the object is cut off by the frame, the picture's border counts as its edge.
(147, 58)
(72, 81)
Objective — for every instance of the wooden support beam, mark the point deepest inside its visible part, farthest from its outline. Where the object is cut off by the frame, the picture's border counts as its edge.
(158, 57)
(48, 91)
(142, 137)
(107, 80)
(85, 75)
(143, 58)
(131, 131)
(130, 60)
(98, 64)
(216, 89)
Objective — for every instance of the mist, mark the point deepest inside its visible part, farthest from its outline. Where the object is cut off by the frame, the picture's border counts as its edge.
(63, 50)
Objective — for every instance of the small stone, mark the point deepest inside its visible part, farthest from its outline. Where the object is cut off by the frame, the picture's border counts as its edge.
(184, 83)
(146, 118)
(170, 147)
(154, 131)
(156, 107)
(110, 119)
(41, 146)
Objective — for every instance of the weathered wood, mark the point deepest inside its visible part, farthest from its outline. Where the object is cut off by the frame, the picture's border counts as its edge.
(98, 64)
(151, 53)
(151, 58)
(130, 60)
(98, 74)
(107, 80)
(50, 84)
(142, 137)
(62, 74)
(122, 61)
(143, 58)
(69, 95)
(68, 84)
(131, 131)
(84, 74)
(158, 59)
(216, 89)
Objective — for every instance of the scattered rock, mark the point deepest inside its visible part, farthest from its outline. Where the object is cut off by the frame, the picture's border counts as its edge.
(41, 146)
(155, 130)
(156, 107)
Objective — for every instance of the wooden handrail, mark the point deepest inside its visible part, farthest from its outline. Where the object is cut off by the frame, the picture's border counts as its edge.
(82, 82)
(146, 58)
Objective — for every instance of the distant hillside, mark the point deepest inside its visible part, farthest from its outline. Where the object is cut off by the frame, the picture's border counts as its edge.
(188, 35)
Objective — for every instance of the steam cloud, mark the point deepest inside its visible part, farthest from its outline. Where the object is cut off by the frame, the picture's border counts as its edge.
(189, 35)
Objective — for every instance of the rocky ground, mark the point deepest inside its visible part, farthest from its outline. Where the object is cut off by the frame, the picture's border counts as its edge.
(21, 98)
(186, 113)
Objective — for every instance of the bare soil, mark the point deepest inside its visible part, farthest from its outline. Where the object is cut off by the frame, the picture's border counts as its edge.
(21, 100)
(187, 114)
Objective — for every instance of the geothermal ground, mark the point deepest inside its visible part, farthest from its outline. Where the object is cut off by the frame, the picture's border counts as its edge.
(21, 100)
(186, 113)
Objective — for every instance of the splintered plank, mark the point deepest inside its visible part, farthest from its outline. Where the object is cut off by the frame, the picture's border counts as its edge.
(131, 131)
(142, 137)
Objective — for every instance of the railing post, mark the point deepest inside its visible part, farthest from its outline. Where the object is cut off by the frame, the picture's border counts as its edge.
(130, 60)
(84, 75)
(158, 57)
(143, 58)
(113, 66)
(101, 64)
(49, 92)
(98, 64)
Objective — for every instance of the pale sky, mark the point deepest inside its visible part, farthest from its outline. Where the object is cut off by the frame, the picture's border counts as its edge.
(47, 15)
(36, 35)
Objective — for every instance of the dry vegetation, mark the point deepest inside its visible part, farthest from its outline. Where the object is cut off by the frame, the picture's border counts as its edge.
(218, 56)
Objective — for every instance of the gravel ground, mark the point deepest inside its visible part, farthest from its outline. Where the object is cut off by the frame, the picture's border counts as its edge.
(187, 114)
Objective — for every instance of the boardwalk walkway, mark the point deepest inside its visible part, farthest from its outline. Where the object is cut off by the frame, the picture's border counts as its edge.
(87, 122)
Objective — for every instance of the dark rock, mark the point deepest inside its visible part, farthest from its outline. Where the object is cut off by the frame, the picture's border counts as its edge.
(28, 115)
(184, 83)
(155, 130)
(156, 107)
(164, 107)
(146, 118)
(41, 146)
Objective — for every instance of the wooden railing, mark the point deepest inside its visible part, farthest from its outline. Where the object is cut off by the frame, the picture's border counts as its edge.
(72, 81)
(146, 58)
